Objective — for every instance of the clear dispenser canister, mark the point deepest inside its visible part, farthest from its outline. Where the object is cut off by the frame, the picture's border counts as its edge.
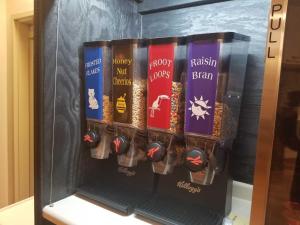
(129, 83)
(165, 102)
(98, 99)
(216, 66)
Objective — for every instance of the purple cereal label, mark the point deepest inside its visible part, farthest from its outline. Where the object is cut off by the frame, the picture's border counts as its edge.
(202, 72)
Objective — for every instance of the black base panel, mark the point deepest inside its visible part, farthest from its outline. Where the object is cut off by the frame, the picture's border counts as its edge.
(174, 212)
(174, 204)
(122, 203)
(102, 181)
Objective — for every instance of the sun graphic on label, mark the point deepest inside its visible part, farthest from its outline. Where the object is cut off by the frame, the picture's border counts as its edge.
(199, 108)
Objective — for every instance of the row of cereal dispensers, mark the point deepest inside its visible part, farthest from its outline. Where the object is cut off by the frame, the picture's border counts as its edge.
(173, 101)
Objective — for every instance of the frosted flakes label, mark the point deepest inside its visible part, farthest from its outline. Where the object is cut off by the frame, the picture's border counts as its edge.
(93, 67)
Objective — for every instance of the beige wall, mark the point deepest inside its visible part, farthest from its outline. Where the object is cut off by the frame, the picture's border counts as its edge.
(3, 109)
(19, 6)
(8, 10)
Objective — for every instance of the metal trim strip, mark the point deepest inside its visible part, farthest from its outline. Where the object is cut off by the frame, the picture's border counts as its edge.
(273, 64)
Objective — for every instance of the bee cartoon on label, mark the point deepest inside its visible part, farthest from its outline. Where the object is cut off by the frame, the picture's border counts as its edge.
(121, 104)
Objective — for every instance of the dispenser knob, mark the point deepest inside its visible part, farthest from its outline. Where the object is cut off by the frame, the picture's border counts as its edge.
(120, 145)
(156, 151)
(91, 138)
(195, 160)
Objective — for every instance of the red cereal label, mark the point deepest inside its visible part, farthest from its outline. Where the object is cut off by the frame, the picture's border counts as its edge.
(160, 77)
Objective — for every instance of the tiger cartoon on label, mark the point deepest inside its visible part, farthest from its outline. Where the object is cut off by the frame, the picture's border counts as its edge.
(93, 103)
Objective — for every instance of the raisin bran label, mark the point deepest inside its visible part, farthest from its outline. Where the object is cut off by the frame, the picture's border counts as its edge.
(122, 72)
(93, 70)
(160, 77)
(203, 60)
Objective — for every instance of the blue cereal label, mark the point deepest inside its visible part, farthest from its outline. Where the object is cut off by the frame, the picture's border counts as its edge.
(93, 67)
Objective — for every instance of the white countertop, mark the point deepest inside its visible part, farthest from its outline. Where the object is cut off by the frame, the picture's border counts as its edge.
(20, 213)
(75, 210)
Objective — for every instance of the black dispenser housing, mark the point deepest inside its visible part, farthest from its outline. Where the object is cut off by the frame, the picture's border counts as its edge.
(63, 164)
(124, 179)
(199, 190)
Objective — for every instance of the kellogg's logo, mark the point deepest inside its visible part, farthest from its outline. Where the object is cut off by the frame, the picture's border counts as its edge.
(188, 187)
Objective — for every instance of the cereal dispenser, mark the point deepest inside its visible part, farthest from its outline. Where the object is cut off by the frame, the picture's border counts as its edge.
(129, 100)
(199, 189)
(165, 102)
(98, 101)
(215, 78)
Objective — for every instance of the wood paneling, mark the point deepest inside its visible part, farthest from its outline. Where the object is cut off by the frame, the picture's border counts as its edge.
(4, 167)
(31, 112)
(249, 17)
(41, 10)
(20, 111)
(150, 6)
(80, 21)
